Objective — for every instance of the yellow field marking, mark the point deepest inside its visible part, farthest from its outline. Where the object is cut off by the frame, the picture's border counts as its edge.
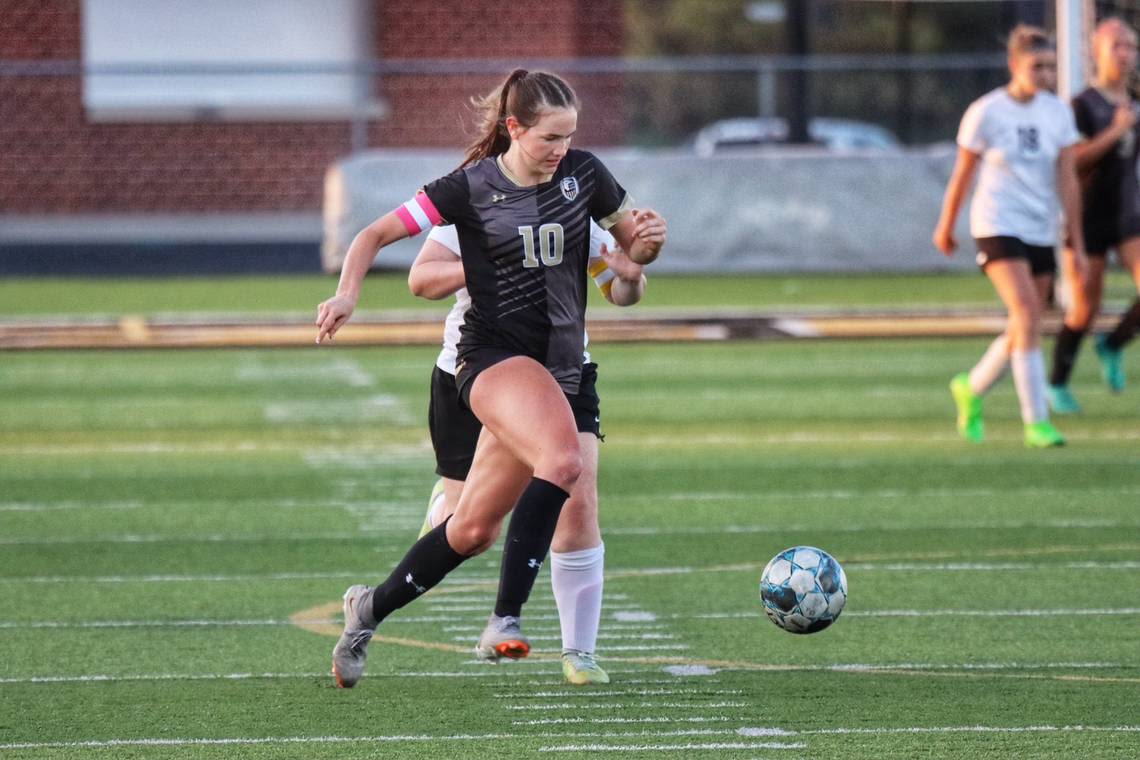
(315, 620)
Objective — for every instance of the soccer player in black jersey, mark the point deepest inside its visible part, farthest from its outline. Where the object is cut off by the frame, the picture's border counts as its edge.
(521, 203)
(1107, 118)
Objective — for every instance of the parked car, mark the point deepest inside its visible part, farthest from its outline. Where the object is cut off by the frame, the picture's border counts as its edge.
(753, 132)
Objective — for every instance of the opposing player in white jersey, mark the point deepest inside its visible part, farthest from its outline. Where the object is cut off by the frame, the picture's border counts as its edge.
(577, 552)
(1024, 139)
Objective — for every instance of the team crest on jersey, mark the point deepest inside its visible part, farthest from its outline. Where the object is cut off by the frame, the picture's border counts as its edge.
(569, 187)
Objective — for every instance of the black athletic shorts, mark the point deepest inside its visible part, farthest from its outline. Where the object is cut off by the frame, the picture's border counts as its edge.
(1104, 234)
(455, 429)
(1041, 258)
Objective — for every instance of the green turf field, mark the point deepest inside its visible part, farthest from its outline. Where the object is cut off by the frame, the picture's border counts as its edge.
(388, 290)
(167, 517)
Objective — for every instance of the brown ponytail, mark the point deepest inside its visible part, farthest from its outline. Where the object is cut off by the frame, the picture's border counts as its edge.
(524, 95)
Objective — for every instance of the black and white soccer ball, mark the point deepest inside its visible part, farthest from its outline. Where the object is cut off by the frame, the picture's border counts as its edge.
(803, 589)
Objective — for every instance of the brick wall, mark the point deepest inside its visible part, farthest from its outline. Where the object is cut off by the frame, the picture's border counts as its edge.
(53, 160)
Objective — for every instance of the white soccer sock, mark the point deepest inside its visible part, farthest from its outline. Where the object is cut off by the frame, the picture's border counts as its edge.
(991, 367)
(576, 578)
(1029, 378)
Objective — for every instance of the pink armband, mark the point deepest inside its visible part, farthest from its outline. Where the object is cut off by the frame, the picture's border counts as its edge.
(418, 214)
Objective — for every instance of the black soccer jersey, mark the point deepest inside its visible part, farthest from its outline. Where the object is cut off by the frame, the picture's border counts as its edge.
(1111, 193)
(525, 254)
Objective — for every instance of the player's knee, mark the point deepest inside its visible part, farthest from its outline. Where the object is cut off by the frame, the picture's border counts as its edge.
(564, 468)
(471, 538)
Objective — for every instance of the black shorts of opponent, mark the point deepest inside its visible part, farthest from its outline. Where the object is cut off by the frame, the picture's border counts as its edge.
(1041, 258)
(455, 429)
(1102, 234)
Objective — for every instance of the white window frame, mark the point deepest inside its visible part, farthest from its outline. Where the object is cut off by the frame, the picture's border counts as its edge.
(227, 60)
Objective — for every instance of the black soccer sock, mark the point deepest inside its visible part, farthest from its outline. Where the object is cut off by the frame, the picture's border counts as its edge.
(528, 541)
(426, 563)
(1125, 329)
(1065, 352)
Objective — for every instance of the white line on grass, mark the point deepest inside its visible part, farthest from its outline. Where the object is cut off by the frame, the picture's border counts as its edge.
(869, 566)
(485, 671)
(1097, 611)
(654, 719)
(940, 730)
(58, 506)
(615, 693)
(729, 530)
(1105, 611)
(188, 578)
(878, 494)
(554, 706)
(167, 742)
(603, 636)
(159, 677)
(670, 747)
(805, 438)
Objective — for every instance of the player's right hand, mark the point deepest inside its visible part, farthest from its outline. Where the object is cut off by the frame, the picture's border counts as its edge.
(944, 240)
(332, 314)
(1124, 118)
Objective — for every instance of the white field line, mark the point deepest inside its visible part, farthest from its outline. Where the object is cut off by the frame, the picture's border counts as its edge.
(1097, 611)
(804, 438)
(377, 407)
(406, 501)
(656, 748)
(555, 706)
(941, 730)
(167, 742)
(486, 671)
(620, 627)
(380, 530)
(269, 622)
(210, 538)
(784, 528)
(688, 747)
(439, 607)
(535, 635)
(368, 459)
(483, 672)
(878, 494)
(615, 693)
(416, 455)
(256, 577)
(555, 636)
(59, 506)
(592, 720)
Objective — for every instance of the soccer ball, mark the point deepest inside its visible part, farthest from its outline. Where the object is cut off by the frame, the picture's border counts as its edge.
(803, 589)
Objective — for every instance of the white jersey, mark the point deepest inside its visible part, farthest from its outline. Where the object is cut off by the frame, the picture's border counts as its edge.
(1019, 144)
(449, 239)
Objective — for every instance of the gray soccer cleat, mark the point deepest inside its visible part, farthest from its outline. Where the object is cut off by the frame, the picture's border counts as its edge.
(502, 638)
(350, 651)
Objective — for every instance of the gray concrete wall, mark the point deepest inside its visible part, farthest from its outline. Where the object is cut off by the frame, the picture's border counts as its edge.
(787, 211)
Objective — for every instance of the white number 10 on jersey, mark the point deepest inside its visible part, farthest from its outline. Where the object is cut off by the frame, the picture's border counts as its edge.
(550, 238)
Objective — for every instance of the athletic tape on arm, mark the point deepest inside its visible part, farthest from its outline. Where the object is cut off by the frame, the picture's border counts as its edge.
(418, 214)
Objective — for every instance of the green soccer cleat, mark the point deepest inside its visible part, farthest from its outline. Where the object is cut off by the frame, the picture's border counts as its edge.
(436, 494)
(581, 669)
(970, 425)
(1111, 364)
(1042, 435)
(1062, 400)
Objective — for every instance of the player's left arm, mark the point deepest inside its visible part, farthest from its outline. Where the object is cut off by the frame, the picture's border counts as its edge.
(436, 273)
(641, 233)
(1069, 188)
